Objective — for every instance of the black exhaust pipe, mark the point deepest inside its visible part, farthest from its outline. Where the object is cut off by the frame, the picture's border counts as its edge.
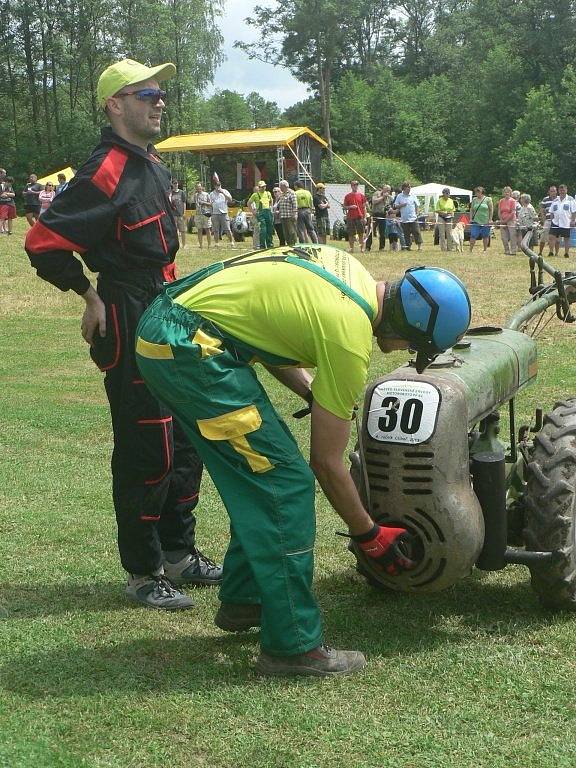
(489, 480)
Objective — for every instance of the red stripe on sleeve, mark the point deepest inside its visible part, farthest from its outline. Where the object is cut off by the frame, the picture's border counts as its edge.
(41, 239)
(108, 175)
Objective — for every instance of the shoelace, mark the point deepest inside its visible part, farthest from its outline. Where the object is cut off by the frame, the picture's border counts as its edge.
(164, 586)
(206, 560)
(327, 649)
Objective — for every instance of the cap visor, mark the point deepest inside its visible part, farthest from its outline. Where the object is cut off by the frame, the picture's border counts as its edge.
(163, 71)
(159, 73)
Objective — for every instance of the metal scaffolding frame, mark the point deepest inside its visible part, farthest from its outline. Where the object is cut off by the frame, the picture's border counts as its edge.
(280, 162)
(304, 162)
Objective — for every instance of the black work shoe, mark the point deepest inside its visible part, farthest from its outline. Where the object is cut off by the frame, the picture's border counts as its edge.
(236, 617)
(193, 568)
(157, 592)
(320, 662)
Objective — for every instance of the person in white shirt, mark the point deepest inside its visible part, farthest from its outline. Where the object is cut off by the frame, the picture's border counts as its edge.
(203, 217)
(407, 204)
(221, 199)
(563, 218)
(526, 218)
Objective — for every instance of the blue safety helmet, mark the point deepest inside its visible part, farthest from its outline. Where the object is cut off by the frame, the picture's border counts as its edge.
(430, 308)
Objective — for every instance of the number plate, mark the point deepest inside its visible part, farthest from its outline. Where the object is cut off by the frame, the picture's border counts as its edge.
(403, 412)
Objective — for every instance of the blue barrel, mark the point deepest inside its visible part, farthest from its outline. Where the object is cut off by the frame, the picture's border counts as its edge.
(573, 237)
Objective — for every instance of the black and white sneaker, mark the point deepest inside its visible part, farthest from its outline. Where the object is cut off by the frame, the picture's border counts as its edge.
(192, 568)
(157, 592)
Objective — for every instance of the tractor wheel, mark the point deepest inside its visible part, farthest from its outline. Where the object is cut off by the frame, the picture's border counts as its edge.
(550, 507)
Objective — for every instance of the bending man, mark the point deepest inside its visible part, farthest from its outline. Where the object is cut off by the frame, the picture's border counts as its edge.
(291, 309)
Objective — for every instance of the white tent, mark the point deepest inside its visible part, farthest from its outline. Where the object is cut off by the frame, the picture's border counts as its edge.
(431, 192)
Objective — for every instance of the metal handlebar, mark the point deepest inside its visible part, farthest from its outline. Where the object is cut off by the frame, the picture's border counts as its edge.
(543, 296)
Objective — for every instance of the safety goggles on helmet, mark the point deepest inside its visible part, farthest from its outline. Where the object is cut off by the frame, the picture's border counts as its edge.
(430, 308)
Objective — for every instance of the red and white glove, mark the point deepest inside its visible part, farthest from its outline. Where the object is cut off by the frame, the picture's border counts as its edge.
(388, 546)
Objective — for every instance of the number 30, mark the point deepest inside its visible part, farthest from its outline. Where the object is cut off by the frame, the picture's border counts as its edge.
(410, 417)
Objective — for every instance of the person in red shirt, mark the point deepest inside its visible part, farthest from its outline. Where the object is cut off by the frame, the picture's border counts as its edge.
(355, 207)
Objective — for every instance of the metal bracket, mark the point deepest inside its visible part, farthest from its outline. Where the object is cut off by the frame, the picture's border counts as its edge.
(525, 557)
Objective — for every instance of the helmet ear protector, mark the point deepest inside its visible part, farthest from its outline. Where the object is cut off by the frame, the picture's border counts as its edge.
(396, 323)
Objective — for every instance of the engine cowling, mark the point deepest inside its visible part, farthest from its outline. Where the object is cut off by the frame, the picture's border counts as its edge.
(415, 438)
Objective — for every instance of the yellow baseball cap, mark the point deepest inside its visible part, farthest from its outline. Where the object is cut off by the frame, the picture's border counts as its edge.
(129, 72)
(320, 185)
(261, 183)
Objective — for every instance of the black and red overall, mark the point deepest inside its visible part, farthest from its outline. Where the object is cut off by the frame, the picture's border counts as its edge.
(116, 214)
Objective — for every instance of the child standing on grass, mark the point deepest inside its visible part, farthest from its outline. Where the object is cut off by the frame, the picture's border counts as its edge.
(393, 229)
(367, 237)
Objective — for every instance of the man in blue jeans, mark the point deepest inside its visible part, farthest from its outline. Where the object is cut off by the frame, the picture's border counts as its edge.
(407, 204)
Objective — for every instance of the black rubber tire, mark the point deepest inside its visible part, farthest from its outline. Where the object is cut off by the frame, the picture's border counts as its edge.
(550, 507)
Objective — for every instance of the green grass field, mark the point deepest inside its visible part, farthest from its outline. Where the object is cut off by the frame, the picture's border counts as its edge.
(478, 676)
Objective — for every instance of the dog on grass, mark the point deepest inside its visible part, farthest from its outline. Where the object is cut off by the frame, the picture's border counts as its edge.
(458, 236)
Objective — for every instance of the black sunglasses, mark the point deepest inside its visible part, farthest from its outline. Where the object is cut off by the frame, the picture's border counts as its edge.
(153, 95)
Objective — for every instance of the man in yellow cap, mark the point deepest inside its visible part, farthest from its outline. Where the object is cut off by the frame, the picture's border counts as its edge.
(262, 201)
(116, 215)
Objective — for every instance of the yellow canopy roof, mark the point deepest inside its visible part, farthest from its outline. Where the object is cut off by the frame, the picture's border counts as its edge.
(53, 177)
(224, 141)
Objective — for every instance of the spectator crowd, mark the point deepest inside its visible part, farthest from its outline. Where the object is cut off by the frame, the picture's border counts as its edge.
(298, 215)
(393, 215)
(37, 198)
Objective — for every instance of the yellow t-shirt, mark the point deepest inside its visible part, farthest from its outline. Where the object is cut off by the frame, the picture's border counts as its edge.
(303, 198)
(286, 310)
(261, 199)
(446, 207)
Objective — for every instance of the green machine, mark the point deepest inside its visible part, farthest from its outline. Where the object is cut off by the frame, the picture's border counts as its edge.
(430, 458)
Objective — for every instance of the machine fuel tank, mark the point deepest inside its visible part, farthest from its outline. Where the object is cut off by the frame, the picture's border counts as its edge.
(490, 364)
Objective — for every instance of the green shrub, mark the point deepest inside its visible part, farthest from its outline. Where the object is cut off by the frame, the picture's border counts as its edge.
(376, 169)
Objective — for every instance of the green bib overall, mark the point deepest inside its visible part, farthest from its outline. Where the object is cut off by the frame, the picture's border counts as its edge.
(267, 487)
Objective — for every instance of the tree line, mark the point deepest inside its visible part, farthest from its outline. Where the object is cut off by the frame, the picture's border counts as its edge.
(52, 52)
(463, 91)
(466, 91)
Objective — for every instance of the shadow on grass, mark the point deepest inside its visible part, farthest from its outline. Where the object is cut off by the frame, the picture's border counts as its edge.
(355, 616)
(359, 616)
(139, 666)
(31, 601)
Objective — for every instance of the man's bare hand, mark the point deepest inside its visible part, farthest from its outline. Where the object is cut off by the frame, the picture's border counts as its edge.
(94, 317)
